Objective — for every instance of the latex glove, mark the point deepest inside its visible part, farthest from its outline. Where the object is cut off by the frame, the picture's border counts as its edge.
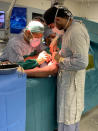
(43, 56)
(56, 56)
(20, 69)
(53, 45)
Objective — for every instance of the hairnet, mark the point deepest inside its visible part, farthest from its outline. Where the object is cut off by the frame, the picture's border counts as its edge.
(35, 26)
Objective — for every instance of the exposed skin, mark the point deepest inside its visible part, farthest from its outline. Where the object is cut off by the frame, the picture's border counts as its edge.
(42, 72)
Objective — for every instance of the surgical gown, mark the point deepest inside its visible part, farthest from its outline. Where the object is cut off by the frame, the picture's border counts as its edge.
(16, 48)
(71, 75)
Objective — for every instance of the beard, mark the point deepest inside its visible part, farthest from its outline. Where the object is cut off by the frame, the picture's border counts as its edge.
(60, 27)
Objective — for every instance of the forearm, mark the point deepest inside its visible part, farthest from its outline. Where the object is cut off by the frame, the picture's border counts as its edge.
(42, 72)
(76, 62)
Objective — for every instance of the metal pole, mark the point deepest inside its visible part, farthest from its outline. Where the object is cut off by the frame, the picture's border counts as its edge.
(7, 20)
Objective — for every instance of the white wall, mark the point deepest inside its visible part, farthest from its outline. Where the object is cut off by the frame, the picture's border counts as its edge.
(5, 5)
(38, 6)
(74, 7)
(89, 10)
(42, 4)
(83, 9)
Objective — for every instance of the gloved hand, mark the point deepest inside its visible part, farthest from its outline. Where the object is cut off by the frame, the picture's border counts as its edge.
(20, 69)
(53, 45)
(56, 56)
(43, 56)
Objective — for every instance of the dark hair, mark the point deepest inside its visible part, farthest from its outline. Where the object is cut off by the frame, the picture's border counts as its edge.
(49, 15)
(40, 18)
(61, 11)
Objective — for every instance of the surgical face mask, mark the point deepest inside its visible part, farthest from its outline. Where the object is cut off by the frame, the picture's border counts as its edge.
(35, 42)
(57, 31)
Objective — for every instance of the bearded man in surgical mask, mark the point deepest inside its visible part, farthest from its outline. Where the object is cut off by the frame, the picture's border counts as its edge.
(24, 43)
(72, 60)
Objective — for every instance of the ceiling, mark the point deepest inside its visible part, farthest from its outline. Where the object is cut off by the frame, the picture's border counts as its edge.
(58, 0)
(85, 0)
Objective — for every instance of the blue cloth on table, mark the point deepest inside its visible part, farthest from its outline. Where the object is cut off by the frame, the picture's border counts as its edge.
(13, 102)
